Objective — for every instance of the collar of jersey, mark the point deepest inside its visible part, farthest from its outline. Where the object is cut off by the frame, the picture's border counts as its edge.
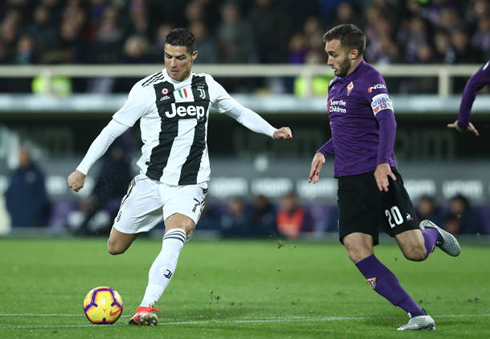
(175, 82)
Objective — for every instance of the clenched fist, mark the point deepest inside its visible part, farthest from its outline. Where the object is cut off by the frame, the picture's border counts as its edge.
(283, 133)
(76, 180)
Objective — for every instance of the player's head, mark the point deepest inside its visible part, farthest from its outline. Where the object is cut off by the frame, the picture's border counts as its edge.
(345, 46)
(180, 52)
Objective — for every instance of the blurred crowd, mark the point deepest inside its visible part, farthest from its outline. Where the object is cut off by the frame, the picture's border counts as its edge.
(231, 31)
(28, 205)
(239, 31)
(290, 218)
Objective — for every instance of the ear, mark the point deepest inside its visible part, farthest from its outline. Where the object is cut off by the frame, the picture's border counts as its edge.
(353, 54)
(194, 55)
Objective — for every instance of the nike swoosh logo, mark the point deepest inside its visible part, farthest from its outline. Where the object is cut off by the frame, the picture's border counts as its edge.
(114, 313)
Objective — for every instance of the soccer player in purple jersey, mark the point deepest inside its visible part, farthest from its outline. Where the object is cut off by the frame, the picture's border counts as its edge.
(476, 82)
(371, 191)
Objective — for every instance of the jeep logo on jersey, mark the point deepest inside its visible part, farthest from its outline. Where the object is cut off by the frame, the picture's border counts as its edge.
(377, 86)
(186, 110)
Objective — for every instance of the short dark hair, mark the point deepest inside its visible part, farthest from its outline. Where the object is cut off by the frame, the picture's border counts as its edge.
(181, 37)
(349, 35)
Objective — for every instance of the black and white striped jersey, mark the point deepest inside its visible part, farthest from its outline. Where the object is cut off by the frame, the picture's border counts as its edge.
(173, 120)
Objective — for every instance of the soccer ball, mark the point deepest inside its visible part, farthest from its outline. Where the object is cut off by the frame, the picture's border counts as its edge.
(103, 305)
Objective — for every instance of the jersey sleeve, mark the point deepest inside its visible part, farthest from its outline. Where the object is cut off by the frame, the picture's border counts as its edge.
(101, 144)
(382, 107)
(224, 103)
(139, 99)
(387, 133)
(327, 149)
(377, 94)
(474, 84)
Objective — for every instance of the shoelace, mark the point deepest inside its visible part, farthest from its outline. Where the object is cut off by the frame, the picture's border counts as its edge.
(148, 309)
(151, 309)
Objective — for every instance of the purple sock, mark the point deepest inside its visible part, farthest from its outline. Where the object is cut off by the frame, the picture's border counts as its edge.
(430, 235)
(384, 282)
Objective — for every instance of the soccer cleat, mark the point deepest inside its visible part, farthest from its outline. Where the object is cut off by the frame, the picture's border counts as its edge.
(144, 316)
(449, 243)
(420, 322)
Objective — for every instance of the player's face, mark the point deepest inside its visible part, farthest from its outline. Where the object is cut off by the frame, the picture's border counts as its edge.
(178, 61)
(338, 58)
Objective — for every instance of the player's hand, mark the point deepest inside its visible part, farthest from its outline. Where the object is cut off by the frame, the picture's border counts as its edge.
(76, 180)
(381, 174)
(283, 133)
(316, 167)
(469, 129)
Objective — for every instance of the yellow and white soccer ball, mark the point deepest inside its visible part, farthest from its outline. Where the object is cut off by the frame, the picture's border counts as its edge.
(103, 305)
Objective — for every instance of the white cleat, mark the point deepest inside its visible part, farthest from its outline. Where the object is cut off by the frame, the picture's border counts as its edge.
(449, 243)
(420, 322)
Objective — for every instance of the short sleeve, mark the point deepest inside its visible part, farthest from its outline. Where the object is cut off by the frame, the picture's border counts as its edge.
(139, 99)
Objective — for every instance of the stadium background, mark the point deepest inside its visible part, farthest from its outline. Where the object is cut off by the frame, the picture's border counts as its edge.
(57, 108)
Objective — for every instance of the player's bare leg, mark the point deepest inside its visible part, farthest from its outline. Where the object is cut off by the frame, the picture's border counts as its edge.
(119, 242)
(412, 245)
(359, 246)
(383, 281)
(418, 244)
(177, 227)
(181, 221)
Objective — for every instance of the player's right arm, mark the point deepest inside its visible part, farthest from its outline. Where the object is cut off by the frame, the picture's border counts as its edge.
(139, 99)
(319, 159)
(99, 146)
(476, 82)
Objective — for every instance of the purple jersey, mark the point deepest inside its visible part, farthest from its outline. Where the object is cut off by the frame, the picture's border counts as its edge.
(362, 122)
(474, 84)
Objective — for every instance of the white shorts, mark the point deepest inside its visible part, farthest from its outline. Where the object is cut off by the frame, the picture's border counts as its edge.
(149, 202)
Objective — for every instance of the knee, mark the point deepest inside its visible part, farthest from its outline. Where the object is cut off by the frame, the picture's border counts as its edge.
(356, 255)
(181, 221)
(359, 246)
(115, 248)
(416, 253)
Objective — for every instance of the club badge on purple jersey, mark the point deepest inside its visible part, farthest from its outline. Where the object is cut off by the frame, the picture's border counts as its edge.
(350, 87)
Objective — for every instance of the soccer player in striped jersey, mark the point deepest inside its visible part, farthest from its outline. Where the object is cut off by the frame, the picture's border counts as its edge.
(475, 83)
(371, 192)
(173, 108)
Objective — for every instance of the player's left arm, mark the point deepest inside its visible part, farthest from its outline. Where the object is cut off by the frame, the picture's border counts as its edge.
(382, 108)
(387, 132)
(224, 103)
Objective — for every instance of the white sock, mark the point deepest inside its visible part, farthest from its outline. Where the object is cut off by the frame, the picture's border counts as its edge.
(163, 267)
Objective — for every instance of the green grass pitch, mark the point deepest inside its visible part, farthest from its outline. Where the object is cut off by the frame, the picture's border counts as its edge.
(238, 289)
